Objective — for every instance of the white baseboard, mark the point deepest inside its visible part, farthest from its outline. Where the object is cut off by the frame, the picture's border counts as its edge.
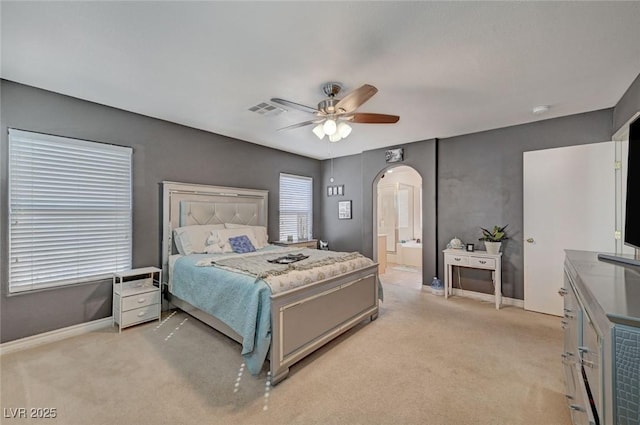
(56, 335)
(487, 297)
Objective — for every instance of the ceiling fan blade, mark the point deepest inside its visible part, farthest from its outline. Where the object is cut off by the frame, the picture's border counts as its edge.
(290, 104)
(300, 124)
(355, 98)
(370, 118)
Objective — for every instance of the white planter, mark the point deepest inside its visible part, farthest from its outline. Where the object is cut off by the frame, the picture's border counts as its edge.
(492, 247)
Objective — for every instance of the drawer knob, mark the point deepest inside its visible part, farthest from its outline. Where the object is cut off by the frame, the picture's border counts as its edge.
(457, 258)
(562, 292)
(141, 300)
(482, 262)
(142, 313)
(583, 349)
(576, 407)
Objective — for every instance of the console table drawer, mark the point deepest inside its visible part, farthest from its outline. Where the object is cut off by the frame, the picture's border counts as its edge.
(457, 260)
(482, 263)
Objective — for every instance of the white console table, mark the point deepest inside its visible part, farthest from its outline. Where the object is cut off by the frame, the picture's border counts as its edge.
(476, 260)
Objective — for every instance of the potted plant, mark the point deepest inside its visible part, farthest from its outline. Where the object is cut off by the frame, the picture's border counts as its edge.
(493, 238)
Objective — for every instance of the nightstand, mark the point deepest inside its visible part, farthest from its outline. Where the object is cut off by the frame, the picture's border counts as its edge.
(306, 243)
(136, 298)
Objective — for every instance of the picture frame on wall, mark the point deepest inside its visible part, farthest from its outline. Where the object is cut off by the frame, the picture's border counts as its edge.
(329, 190)
(344, 210)
(340, 190)
(394, 155)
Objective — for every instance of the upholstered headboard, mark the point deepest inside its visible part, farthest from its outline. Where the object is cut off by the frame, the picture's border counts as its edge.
(191, 204)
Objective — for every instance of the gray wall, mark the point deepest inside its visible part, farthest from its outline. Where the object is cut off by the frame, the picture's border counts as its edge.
(161, 151)
(480, 184)
(476, 181)
(342, 235)
(360, 175)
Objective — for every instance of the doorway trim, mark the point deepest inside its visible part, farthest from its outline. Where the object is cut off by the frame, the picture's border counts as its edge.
(374, 209)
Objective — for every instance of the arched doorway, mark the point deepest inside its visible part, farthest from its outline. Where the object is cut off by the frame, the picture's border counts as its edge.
(398, 226)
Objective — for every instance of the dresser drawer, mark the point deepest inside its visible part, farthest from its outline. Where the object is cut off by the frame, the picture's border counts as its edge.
(457, 260)
(140, 300)
(140, 315)
(482, 263)
(590, 354)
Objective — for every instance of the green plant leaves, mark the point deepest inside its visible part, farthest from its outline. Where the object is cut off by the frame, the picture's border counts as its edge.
(497, 234)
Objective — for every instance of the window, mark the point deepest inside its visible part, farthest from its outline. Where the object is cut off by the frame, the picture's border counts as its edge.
(296, 206)
(69, 210)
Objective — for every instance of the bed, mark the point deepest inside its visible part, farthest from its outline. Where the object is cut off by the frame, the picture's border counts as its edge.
(273, 319)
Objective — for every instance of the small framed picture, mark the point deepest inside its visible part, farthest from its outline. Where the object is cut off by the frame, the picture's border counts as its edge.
(470, 247)
(340, 190)
(394, 155)
(329, 190)
(344, 210)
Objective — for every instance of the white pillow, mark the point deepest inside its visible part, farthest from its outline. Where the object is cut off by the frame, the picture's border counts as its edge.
(260, 232)
(213, 249)
(221, 237)
(192, 239)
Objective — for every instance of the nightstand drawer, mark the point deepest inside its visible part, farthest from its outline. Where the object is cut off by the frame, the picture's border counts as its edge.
(482, 263)
(140, 300)
(140, 315)
(457, 260)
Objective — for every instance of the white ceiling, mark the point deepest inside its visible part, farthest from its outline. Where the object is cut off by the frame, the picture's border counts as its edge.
(447, 68)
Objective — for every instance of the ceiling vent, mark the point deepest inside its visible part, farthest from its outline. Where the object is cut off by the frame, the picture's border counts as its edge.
(265, 108)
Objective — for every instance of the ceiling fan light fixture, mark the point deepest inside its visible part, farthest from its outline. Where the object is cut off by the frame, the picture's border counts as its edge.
(329, 127)
(318, 131)
(332, 114)
(344, 129)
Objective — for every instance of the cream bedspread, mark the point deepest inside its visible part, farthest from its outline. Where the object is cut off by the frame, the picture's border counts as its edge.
(318, 266)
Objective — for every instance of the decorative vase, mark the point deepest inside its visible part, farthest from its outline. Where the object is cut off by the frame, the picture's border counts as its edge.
(492, 247)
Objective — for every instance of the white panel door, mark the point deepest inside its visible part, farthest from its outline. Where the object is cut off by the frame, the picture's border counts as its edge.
(569, 203)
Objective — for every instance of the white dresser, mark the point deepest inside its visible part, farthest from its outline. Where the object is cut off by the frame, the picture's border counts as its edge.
(136, 298)
(476, 260)
(601, 354)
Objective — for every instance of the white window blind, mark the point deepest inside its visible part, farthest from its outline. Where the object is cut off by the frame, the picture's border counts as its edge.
(296, 206)
(69, 210)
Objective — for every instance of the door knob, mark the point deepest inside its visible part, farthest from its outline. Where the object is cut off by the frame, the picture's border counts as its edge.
(530, 240)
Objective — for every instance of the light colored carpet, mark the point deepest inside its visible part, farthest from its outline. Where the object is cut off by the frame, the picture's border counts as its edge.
(426, 360)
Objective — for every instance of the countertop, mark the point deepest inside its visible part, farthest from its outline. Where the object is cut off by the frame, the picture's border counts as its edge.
(611, 288)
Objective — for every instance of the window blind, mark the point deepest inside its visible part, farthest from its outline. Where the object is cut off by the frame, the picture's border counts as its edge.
(296, 206)
(69, 210)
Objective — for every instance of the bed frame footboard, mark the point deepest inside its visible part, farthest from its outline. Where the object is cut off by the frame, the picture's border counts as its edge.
(306, 318)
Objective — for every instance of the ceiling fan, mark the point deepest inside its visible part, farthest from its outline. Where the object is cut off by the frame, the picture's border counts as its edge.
(333, 114)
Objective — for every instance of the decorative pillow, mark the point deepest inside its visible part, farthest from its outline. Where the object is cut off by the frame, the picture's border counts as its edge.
(192, 239)
(221, 237)
(260, 233)
(241, 244)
